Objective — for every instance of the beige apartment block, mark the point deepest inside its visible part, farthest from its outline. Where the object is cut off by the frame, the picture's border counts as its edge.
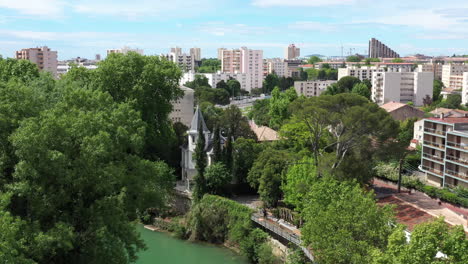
(433, 67)
(124, 50)
(182, 108)
(444, 157)
(452, 75)
(362, 73)
(312, 88)
(465, 88)
(402, 87)
(277, 66)
(195, 53)
(43, 57)
(244, 60)
(291, 52)
(379, 50)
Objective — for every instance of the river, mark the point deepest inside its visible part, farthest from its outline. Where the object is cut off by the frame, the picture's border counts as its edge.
(164, 249)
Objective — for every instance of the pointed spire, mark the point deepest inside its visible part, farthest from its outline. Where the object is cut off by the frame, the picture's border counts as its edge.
(198, 119)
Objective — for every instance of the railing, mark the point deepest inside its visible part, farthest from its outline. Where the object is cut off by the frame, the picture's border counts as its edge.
(433, 157)
(434, 131)
(457, 159)
(434, 144)
(289, 236)
(458, 145)
(457, 174)
(438, 172)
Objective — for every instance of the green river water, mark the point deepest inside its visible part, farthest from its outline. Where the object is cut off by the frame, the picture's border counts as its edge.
(162, 249)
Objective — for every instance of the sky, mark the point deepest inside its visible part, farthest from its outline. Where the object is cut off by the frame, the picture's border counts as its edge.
(87, 27)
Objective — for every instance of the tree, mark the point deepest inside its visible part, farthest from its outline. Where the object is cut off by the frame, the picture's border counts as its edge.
(367, 83)
(438, 87)
(344, 85)
(397, 60)
(82, 158)
(343, 224)
(353, 58)
(151, 83)
(298, 183)
(217, 178)
(259, 112)
(314, 59)
(285, 83)
(362, 90)
(279, 103)
(200, 164)
(209, 66)
(217, 151)
(427, 100)
(235, 124)
(270, 82)
(21, 70)
(222, 85)
(427, 239)
(199, 82)
(453, 101)
(234, 87)
(312, 74)
(245, 153)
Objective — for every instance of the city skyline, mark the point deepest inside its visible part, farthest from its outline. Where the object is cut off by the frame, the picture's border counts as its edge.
(85, 28)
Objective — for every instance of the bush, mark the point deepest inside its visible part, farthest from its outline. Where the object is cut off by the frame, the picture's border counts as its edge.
(265, 255)
(250, 246)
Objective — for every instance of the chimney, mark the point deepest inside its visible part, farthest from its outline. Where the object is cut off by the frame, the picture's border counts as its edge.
(442, 116)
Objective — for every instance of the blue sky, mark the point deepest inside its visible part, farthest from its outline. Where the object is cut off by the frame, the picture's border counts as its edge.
(87, 27)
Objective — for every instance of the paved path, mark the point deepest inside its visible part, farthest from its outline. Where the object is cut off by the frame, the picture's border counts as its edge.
(453, 215)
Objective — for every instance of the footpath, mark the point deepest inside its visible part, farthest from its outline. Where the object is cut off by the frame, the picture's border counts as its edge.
(453, 215)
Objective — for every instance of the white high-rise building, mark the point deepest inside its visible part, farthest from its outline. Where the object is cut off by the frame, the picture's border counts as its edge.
(124, 50)
(277, 66)
(291, 52)
(452, 75)
(220, 53)
(362, 73)
(176, 50)
(311, 88)
(185, 61)
(195, 53)
(182, 108)
(402, 87)
(434, 67)
(43, 57)
(465, 88)
(244, 60)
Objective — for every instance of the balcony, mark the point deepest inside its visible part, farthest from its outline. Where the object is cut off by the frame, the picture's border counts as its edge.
(457, 174)
(432, 170)
(434, 131)
(433, 144)
(462, 146)
(433, 157)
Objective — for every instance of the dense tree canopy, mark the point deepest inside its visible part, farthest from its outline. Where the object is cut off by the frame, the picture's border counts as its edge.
(259, 112)
(313, 60)
(209, 65)
(270, 82)
(279, 103)
(362, 90)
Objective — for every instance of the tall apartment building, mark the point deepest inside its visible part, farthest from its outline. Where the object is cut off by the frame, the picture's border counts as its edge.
(43, 57)
(244, 60)
(434, 67)
(176, 50)
(311, 88)
(215, 78)
(220, 53)
(291, 52)
(195, 53)
(452, 75)
(277, 66)
(124, 50)
(465, 88)
(362, 73)
(444, 157)
(379, 50)
(182, 108)
(185, 61)
(402, 87)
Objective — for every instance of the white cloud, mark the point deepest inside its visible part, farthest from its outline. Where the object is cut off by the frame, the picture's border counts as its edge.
(42, 8)
(312, 25)
(70, 36)
(296, 3)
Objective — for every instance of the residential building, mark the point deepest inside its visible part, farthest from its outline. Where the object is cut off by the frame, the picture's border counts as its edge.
(379, 50)
(64, 66)
(188, 159)
(182, 108)
(195, 53)
(176, 50)
(401, 112)
(292, 52)
(43, 57)
(215, 78)
(244, 60)
(444, 158)
(362, 73)
(434, 67)
(418, 131)
(312, 88)
(452, 75)
(185, 61)
(220, 53)
(447, 112)
(277, 66)
(124, 50)
(402, 87)
(331, 64)
(465, 88)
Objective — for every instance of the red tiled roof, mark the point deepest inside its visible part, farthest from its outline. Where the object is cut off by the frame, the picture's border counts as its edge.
(392, 106)
(451, 120)
(406, 214)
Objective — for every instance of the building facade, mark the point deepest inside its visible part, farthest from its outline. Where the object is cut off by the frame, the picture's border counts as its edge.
(452, 75)
(402, 87)
(43, 57)
(195, 53)
(185, 61)
(182, 108)
(124, 50)
(215, 78)
(444, 157)
(277, 66)
(362, 73)
(292, 52)
(465, 88)
(312, 88)
(379, 50)
(434, 67)
(401, 112)
(246, 61)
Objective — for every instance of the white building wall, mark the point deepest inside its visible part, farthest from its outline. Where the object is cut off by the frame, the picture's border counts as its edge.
(312, 88)
(423, 85)
(214, 78)
(465, 88)
(183, 108)
(244, 60)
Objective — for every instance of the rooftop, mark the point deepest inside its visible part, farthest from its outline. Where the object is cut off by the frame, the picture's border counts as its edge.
(392, 106)
(451, 120)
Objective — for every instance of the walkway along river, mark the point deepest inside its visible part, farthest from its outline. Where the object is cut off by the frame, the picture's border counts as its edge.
(164, 249)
